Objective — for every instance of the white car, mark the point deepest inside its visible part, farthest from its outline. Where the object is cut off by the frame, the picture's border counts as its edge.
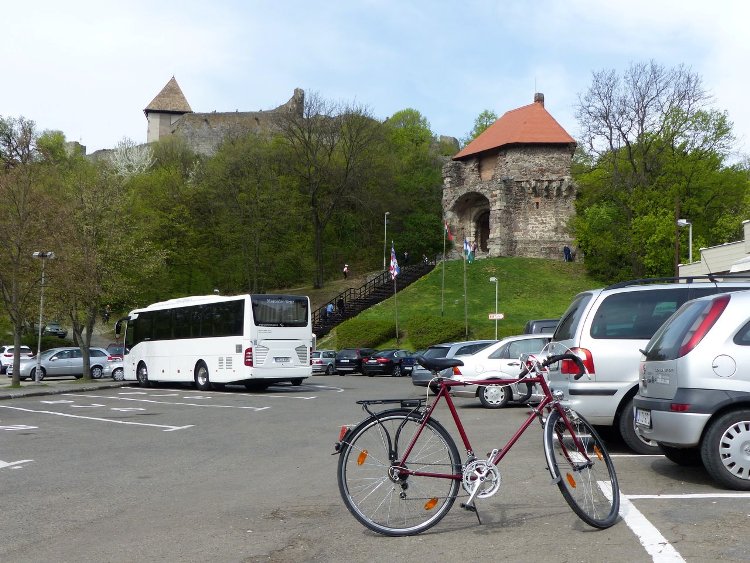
(499, 360)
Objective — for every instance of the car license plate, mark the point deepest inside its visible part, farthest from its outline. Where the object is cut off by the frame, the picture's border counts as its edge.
(344, 361)
(643, 418)
(282, 359)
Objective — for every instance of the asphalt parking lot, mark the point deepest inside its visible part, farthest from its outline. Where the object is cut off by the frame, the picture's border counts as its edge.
(118, 473)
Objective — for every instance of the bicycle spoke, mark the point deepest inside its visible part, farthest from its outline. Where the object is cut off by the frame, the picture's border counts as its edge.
(384, 496)
(585, 472)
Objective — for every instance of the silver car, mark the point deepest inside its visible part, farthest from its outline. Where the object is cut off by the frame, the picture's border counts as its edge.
(57, 362)
(421, 376)
(323, 361)
(694, 388)
(607, 328)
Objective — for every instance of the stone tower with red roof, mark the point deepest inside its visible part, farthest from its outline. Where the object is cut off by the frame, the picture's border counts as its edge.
(510, 189)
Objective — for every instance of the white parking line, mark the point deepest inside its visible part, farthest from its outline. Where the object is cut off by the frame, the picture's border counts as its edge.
(13, 464)
(651, 539)
(143, 400)
(165, 427)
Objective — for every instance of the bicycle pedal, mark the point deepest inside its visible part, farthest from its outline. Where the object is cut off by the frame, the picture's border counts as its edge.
(469, 507)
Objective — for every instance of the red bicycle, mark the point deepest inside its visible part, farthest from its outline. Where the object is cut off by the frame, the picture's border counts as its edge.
(399, 470)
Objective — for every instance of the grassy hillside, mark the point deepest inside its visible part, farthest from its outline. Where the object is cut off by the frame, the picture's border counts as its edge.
(528, 288)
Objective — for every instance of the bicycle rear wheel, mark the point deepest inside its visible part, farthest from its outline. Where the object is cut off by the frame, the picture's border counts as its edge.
(378, 494)
(588, 485)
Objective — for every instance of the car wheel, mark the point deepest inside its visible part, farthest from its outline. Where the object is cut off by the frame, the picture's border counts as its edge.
(202, 381)
(687, 457)
(42, 373)
(631, 436)
(142, 375)
(396, 371)
(724, 450)
(297, 381)
(96, 372)
(329, 370)
(118, 374)
(493, 396)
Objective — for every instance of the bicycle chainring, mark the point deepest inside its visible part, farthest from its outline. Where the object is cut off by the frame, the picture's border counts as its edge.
(486, 477)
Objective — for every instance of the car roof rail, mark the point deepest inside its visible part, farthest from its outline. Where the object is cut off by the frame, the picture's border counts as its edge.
(712, 278)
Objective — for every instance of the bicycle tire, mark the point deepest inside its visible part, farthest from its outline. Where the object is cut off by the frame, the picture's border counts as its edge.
(399, 506)
(591, 491)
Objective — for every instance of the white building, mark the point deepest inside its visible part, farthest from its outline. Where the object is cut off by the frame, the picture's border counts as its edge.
(728, 257)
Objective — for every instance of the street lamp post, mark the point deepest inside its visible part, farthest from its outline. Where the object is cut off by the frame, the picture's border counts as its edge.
(493, 279)
(43, 256)
(385, 239)
(689, 225)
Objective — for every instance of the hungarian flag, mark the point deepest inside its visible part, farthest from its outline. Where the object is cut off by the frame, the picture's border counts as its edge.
(394, 269)
(448, 232)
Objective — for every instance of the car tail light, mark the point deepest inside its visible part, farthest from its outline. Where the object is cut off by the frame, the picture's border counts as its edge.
(249, 357)
(569, 367)
(704, 323)
(113, 358)
(382, 360)
(679, 407)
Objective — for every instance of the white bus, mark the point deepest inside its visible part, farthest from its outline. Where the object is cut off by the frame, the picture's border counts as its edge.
(212, 340)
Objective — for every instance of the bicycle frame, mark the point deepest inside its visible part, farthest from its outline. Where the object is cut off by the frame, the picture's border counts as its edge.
(548, 402)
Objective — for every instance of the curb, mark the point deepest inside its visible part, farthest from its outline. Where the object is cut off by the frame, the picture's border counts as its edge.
(29, 391)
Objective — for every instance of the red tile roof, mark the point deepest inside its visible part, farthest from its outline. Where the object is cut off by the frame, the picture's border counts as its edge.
(527, 124)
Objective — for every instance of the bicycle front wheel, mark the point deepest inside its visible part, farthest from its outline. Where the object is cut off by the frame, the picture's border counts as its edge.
(374, 486)
(585, 475)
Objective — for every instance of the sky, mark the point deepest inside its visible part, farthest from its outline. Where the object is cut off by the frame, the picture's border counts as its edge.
(88, 68)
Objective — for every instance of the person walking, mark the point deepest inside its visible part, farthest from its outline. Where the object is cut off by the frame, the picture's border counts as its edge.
(340, 305)
(346, 270)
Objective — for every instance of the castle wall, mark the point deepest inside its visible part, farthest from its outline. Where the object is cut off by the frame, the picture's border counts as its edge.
(530, 195)
(204, 132)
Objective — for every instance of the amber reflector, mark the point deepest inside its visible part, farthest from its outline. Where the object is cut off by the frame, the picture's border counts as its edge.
(571, 480)
(598, 453)
(430, 504)
(362, 457)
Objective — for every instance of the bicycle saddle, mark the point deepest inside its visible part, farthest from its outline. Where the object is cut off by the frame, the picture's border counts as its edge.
(438, 364)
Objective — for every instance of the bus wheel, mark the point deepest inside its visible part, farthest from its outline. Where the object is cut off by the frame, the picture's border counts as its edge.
(201, 377)
(143, 376)
(297, 381)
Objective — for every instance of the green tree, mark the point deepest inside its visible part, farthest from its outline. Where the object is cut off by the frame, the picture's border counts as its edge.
(332, 158)
(486, 118)
(24, 183)
(652, 152)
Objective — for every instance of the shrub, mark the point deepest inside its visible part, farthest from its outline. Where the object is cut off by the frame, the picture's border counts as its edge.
(425, 330)
(366, 333)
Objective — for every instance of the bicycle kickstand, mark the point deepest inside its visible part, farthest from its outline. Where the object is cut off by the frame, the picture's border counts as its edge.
(472, 508)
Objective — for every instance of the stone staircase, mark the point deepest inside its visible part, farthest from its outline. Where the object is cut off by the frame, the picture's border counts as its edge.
(353, 301)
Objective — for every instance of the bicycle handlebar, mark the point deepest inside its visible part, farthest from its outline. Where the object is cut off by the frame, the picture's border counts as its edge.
(554, 359)
(548, 362)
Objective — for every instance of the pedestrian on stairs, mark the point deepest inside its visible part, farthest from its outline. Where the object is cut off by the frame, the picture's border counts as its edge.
(346, 270)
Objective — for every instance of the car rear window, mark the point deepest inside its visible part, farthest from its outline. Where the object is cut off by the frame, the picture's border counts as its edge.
(666, 343)
(436, 352)
(347, 354)
(566, 328)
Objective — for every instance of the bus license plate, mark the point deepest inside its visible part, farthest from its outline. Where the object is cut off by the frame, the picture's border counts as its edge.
(282, 359)
(643, 418)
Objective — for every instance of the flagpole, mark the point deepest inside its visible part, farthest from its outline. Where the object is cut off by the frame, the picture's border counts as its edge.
(395, 303)
(466, 308)
(442, 287)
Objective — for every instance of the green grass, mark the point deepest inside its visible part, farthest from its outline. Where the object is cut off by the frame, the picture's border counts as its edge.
(528, 288)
